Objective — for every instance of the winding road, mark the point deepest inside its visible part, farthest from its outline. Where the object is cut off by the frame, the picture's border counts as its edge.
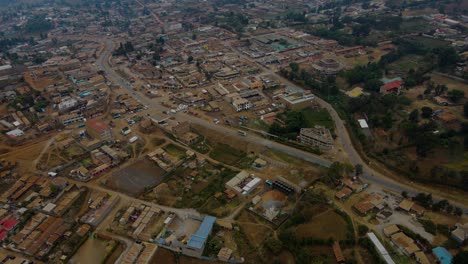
(369, 174)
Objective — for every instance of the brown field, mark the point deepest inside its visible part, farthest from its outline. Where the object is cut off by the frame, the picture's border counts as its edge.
(168, 257)
(324, 253)
(255, 230)
(323, 226)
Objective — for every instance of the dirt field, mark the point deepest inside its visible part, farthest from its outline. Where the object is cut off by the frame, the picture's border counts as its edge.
(323, 226)
(136, 177)
(255, 230)
(324, 253)
(168, 257)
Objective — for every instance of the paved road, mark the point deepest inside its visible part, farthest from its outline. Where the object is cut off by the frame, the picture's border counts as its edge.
(369, 173)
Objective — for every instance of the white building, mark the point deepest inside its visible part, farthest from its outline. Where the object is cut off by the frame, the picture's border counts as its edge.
(241, 104)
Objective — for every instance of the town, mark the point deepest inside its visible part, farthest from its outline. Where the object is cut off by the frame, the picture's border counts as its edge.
(222, 131)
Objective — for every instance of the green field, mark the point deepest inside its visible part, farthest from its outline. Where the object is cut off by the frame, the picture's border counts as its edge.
(415, 25)
(318, 117)
(174, 150)
(226, 154)
(429, 42)
(407, 63)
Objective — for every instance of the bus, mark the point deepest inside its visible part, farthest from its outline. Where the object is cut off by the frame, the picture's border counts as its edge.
(241, 133)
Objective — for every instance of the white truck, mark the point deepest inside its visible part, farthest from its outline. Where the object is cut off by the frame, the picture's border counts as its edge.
(133, 139)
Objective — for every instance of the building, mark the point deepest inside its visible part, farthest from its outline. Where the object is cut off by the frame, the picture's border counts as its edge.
(197, 241)
(70, 118)
(317, 136)
(405, 243)
(180, 129)
(224, 254)
(298, 100)
(442, 255)
(338, 253)
(380, 248)
(343, 194)
(243, 183)
(241, 104)
(394, 85)
(460, 233)
(328, 66)
(99, 130)
(421, 258)
(391, 230)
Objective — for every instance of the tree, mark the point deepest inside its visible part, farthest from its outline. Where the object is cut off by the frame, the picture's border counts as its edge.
(440, 89)
(336, 170)
(373, 85)
(455, 95)
(465, 109)
(294, 66)
(461, 257)
(426, 112)
(189, 59)
(358, 169)
(414, 116)
(404, 194)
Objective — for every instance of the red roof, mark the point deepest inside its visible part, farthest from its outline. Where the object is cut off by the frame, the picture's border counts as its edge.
(393, 85)
(8, 224)
(3, 234)
(97, 125)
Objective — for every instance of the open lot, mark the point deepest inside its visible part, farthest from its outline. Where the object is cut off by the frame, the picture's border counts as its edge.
(227, 154)
(323, 226)
(136, 178)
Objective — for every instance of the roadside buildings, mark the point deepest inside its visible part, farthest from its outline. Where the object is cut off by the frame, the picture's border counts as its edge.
(317, 136)
(197, 241)
(98, 129)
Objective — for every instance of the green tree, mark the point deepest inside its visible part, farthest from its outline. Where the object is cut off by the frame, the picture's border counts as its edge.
(294, 66)
(373, 85)
(461, 257)
(455, 95)
(358, 169)
(465, 109)
(414, 116)
(426, 112)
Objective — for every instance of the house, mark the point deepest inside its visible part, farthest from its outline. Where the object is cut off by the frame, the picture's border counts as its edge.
(417, 210)
(460, 233)
(363, 208)
(98, 129)
(343, 194)
(405, 243)
(442, 255)
(224, 254)
(421, 258)
(391, 230)
(406, 205)
(392, 87)
(338, 253)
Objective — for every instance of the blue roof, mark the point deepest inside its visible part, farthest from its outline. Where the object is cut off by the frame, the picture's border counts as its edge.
(198, 239)
(443, 255)
(386, 80)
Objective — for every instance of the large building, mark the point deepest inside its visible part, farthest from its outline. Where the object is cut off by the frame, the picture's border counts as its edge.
(197, 241)
(328, 66)
(317, 136)
(98, 130)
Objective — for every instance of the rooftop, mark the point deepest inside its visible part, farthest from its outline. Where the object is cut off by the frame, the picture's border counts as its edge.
(97, 125)
(198, 239)
(443, 255)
